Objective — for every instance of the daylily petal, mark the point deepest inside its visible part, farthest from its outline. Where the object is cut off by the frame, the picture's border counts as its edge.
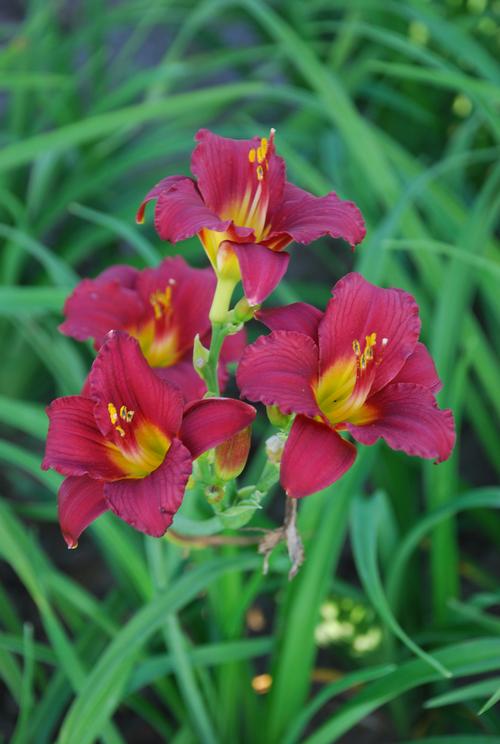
(224, 174)
(261, 270)
(75, 446)
(155, 192)
(304, 217)
(149, 504)
(315, 456)
(211, 421)
(299, 316)
(420, 369)
(191, 292)
(280, 369)
(80, 501)
(121, 376)
(408, 419)
(183, 376)
(97, 306)
(180, 213)
(359, 309)
(233, 347)
(122, 273)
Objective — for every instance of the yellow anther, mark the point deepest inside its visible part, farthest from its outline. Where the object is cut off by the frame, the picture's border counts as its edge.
(260, 172)
(113, 415)
(156, 309)
(120, 431)
(125, 414)
(367, 354)
(260, 154)
(161, 301)
(263, 145)
(251, 155)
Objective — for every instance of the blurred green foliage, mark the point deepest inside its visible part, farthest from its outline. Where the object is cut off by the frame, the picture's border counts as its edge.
(394, 105)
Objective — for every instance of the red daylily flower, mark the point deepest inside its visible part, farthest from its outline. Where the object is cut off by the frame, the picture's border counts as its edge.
(245, 212)
(129, 445)
(358, 367)
(163, 308)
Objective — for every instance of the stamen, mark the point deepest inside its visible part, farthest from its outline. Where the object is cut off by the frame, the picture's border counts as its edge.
(125, 414)
(255, 204)
(162, 301)
(367, 354)
(258, 198)
(156, 309)
(260, 155)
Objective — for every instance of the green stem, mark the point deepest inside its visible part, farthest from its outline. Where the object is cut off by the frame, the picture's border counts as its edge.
(219, 318)
(219, 333)
(221, 301)
(269, 476)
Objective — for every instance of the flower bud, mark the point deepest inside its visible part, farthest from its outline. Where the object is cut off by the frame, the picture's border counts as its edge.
(200, 356)
(214, 494)
(274, 448)
(243, 311)
(231, 456)
(277, 418)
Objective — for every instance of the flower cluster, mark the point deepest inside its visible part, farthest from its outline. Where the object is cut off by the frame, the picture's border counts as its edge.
(150, 424)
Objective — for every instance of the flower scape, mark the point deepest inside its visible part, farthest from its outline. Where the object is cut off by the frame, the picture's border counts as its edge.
(150, 427)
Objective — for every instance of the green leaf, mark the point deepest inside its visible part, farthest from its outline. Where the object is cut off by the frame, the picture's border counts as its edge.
(26, 700)
(202, 724)
(32, 301)
(475, 499)
(346, 682)
(365, 526)
(87, 715)
(28, 417)
(465, 693)
(463, 660)
(207, 655)
(142, 246)
(95, 127)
